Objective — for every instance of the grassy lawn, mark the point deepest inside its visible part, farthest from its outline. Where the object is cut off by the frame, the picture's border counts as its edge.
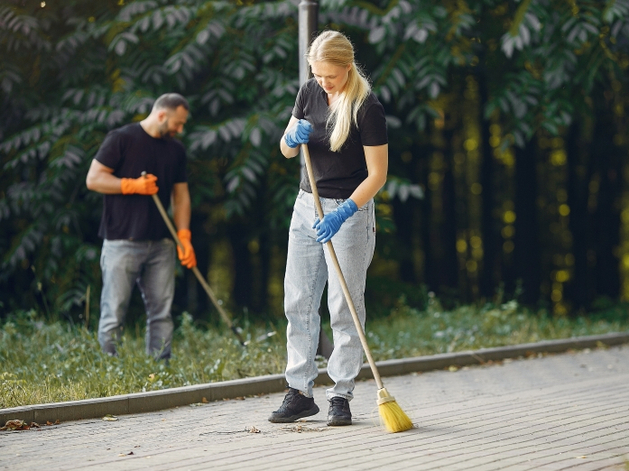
(43, 362)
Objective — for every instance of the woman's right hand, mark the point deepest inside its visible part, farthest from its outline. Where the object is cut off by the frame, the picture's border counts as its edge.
(299, 134)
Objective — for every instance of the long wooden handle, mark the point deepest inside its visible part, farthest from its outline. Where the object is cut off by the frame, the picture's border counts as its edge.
(337, 266)
(196, 271)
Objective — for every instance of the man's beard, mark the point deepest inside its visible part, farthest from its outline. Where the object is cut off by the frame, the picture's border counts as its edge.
(165, 132)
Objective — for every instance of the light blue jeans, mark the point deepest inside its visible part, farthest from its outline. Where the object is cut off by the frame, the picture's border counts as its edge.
(308, 268)
(150, 265)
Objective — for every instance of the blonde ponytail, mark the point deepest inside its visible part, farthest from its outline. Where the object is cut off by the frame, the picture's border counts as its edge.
(335, 48)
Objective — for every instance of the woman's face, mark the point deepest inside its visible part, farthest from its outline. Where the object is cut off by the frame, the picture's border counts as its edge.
(332, 78)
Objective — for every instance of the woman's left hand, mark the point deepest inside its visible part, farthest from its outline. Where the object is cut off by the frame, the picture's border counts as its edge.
(332, 222)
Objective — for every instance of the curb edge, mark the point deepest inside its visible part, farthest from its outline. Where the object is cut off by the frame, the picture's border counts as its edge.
(151, 401)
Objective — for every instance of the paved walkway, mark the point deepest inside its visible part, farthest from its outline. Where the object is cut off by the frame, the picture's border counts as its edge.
(560, 411)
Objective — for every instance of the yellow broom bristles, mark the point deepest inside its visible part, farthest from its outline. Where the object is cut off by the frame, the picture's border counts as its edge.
(391, 414)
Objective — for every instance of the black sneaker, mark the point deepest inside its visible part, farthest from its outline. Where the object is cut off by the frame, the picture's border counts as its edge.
(295, 406)
(338, 413)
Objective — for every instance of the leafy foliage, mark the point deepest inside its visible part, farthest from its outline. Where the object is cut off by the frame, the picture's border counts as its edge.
(109, 65)
(74, 70)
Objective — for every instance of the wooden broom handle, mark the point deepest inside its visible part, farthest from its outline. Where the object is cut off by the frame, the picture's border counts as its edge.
(195, 270)
(337, 266)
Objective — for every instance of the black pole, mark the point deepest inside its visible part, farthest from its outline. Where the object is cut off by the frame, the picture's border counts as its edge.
(308, 25)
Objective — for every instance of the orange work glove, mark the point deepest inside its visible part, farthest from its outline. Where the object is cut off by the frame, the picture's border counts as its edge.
(142, 186)
(187, 256)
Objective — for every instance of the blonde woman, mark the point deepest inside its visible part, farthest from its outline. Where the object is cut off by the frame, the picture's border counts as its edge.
(344, 125)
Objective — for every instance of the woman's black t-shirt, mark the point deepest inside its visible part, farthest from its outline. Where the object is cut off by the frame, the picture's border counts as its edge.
(129, 151)
(338, 173)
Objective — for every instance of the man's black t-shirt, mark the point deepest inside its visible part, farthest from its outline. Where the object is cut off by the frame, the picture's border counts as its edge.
(338, 173)
(129, 151)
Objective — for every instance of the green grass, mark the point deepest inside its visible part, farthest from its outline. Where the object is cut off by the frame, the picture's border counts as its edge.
(408, 332)
(42, 362)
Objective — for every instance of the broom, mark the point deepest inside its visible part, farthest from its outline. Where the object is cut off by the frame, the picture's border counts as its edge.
(196, 271)
(391, 414)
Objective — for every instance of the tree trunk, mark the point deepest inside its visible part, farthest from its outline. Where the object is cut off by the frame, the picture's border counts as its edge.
(488, 224)
(580, 289)
(527, 253)
(261, 302)
(450, 262)
(243, 268)
(430, 266)
(403, 215)
(607, 216)
(198, 301)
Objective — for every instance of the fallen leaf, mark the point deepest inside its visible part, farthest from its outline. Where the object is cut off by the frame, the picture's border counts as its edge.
(252, 429)
(204, 400)
(110, 418)
(453, 368)
(15, 424)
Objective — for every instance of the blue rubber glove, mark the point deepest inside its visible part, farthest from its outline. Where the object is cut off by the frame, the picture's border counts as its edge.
(331, 222)
(299, 134)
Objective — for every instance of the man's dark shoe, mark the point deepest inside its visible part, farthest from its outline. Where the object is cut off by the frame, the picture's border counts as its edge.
(295, 406)
(339, 413)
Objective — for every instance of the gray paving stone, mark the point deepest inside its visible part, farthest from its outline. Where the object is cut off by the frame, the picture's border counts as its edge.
(554, 412)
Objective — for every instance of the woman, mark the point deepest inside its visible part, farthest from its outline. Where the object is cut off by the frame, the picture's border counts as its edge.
(344, 125)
